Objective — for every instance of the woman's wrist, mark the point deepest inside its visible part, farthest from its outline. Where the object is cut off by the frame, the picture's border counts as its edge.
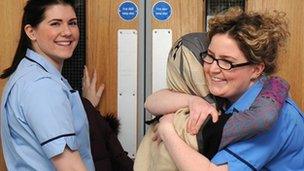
(192, 99)
(164, 129)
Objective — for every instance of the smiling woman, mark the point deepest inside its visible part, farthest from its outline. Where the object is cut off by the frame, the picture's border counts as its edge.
(251, 41)
(56, 36)
(41, 114)
(232, 83)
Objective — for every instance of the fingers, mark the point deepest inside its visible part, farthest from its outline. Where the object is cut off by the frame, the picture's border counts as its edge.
(192, 122)
(89, 90)
(215, 115)
(86, 76)
(100, 90)
(94, 80)
(188, 127)
(197, 119)
(98, 95)
(83, 77)
(198, 124)
(201, 120)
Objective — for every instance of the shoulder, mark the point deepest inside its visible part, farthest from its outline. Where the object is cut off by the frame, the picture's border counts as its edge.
(32, 83)
(30, 79)
(291, 118)
(290, 110)
(31, 74)
(291, 105)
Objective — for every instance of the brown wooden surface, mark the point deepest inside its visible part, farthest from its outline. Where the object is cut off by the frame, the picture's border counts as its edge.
(102, 25)
(187, 16)
(291, 62)
(10, 22)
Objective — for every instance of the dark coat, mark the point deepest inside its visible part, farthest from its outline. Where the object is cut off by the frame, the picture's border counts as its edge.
(106, 149)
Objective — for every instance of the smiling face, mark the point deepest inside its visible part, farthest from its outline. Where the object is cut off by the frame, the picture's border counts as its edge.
(229, 84)
(57, 35)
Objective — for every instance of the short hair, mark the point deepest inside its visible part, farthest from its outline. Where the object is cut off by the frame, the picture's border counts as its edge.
(258, 35)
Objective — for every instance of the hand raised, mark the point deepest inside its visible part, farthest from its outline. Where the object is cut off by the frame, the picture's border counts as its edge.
(89, 87)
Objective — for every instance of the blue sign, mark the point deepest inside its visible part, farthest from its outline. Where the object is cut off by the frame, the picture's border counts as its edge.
(127, 10)
(162, 10)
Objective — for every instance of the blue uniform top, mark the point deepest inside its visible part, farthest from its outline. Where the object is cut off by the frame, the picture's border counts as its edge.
(40, 116)
(280, 148)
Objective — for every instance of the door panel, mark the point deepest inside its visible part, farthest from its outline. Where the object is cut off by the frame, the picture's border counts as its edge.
(103, 23)
(187, 16)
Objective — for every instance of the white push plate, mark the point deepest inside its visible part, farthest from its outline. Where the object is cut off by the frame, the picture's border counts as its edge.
(127, 89)
(161, 45)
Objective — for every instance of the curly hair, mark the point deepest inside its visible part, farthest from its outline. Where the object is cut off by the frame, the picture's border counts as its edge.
(258, 35)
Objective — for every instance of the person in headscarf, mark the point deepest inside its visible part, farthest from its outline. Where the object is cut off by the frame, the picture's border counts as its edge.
(185, 75)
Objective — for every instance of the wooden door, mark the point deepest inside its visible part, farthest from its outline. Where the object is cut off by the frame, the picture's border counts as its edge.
(187, 16)
(168, 21)
(103, 22)
(290, 62)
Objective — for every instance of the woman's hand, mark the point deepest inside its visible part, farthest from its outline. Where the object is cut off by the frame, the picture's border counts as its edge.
(200, 109)
(165, 125)
(89, 88)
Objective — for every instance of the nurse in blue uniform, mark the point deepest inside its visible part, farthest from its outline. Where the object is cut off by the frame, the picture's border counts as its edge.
(242, 53)
(43, 122)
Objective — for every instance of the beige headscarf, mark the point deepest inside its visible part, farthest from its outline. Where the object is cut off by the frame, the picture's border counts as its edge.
(185, 75)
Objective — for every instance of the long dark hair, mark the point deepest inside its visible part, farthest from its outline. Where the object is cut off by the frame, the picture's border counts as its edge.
(33, 14)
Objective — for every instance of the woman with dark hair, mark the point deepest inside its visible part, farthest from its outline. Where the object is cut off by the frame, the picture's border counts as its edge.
(43, 122)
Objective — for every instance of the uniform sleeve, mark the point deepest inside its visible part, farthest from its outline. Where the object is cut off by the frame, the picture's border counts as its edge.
(247, 156)
(257, 152)
(260, 117)
(48, 113)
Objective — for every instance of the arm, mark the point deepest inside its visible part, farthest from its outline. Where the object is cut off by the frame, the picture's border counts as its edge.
(185, 158)
(260, 116)
(243, 125)
(68, 160)
(166, 101)
(51, 118)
